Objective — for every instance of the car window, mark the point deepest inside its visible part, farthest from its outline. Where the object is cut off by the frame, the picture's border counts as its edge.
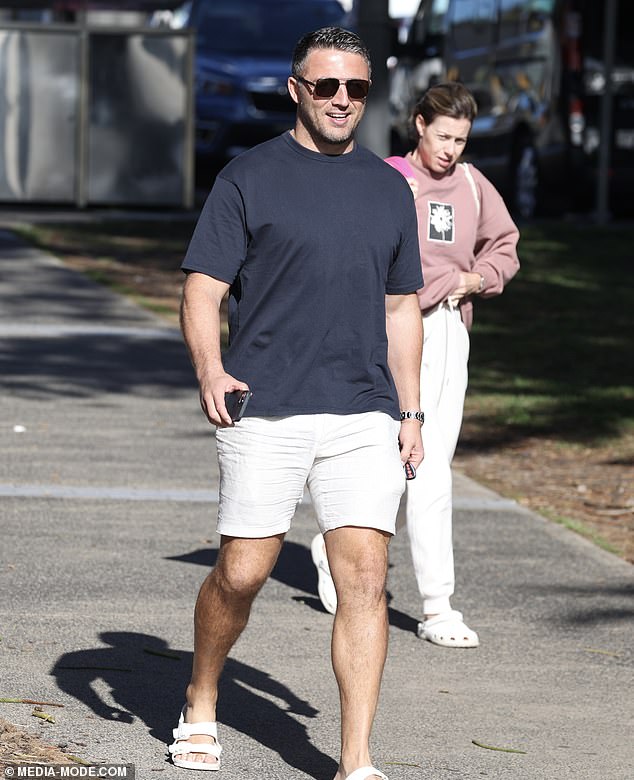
(251, 27)
(515, 14)
(473, 23)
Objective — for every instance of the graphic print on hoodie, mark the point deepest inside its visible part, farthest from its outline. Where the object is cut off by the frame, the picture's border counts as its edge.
(440, 223)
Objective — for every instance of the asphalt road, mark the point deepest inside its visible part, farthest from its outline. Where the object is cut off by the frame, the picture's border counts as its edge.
(108, 486)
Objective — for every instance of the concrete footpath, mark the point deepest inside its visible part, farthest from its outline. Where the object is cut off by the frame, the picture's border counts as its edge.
(108, 485)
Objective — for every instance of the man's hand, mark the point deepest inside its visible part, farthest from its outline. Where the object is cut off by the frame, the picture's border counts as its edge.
(200, 323)
(212, 398)
(404, 327)
(468, 284)
(411, 443)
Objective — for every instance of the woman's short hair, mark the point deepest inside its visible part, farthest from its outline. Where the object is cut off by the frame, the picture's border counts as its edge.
(447, 99)
(327, 38)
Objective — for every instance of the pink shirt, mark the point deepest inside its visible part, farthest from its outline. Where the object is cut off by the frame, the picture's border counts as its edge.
(458, 233)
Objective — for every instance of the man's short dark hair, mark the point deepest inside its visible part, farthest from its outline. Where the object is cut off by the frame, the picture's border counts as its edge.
(328, 38)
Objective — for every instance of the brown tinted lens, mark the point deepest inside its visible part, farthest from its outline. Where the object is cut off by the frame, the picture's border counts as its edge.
(357, 88)
(326, 88)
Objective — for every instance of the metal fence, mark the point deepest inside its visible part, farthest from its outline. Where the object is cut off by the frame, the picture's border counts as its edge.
(96, 116)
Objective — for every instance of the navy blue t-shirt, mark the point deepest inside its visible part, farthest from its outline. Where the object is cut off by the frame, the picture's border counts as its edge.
(310, 244)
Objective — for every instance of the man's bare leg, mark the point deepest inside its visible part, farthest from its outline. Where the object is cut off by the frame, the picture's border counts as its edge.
(222, 611)
(358, 564)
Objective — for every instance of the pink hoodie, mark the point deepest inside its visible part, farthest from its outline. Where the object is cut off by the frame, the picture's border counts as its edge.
(459, 232)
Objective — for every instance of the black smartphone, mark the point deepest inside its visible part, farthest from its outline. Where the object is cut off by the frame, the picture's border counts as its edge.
(236, 402)
(410, 471)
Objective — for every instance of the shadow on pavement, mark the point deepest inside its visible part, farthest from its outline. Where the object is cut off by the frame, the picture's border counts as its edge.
(295, 568)
(80, 366)
(147, 680)
(294, 565)
(601, 609)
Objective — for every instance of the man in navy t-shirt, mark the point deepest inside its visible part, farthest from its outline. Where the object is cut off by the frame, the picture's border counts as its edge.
(315, 239)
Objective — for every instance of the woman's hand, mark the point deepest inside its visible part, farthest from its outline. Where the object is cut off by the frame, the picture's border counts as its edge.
(468, 284)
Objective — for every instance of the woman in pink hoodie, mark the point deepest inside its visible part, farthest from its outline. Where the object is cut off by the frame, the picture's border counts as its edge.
(468, 245)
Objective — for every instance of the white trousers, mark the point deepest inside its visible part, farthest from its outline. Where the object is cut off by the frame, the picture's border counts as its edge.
(429, 496)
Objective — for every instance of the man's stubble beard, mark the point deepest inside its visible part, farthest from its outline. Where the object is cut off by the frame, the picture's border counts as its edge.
(320, 135)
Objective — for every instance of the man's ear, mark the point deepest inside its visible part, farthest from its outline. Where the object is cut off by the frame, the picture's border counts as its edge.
(293, 88)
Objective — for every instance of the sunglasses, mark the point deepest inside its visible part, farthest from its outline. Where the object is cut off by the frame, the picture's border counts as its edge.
(324, 89)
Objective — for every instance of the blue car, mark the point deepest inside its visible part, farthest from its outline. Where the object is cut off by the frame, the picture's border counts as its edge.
(243, 59)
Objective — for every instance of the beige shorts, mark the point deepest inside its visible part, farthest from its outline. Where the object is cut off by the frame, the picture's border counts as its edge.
(350, 463)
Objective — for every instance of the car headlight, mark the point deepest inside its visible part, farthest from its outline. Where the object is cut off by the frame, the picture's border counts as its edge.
(211, 85)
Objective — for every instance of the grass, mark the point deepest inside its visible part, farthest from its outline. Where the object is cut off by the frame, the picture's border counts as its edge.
(583, 530)
(136, 258)
(553, 355)
(156, 244)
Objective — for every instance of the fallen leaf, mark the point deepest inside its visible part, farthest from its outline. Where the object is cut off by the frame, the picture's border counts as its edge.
(601, 652)
(30, 701)
(78, 760)
(501, 749)
(43, 715)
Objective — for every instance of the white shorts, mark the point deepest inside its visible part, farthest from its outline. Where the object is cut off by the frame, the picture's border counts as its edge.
(351, 464)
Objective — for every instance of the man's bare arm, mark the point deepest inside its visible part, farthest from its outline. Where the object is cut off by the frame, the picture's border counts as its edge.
(404, 325)
(200, 323)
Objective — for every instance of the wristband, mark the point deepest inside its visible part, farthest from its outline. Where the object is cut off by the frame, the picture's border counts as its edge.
(420, 416)
(481, 287)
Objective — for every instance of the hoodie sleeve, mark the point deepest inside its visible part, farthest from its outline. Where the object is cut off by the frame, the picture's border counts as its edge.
(496, 239)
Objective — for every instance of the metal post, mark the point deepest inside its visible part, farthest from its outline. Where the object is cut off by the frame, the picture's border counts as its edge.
(373, 23)
(81, 185)
(603, 183)
(189, 149)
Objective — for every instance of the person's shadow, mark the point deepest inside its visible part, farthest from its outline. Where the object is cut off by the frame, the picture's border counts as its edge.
(145, 678)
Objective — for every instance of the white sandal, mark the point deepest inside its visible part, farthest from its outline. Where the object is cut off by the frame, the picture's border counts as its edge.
(364, 772)
(179, 747)
(448, 630)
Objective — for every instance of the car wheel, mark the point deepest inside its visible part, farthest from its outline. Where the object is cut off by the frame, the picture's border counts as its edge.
(525, 179)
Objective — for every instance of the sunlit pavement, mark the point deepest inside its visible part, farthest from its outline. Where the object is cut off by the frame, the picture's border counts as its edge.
(108, 487)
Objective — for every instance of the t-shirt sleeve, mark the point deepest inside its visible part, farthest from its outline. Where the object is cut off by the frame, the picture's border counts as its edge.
(406, 274)
(219, 243)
